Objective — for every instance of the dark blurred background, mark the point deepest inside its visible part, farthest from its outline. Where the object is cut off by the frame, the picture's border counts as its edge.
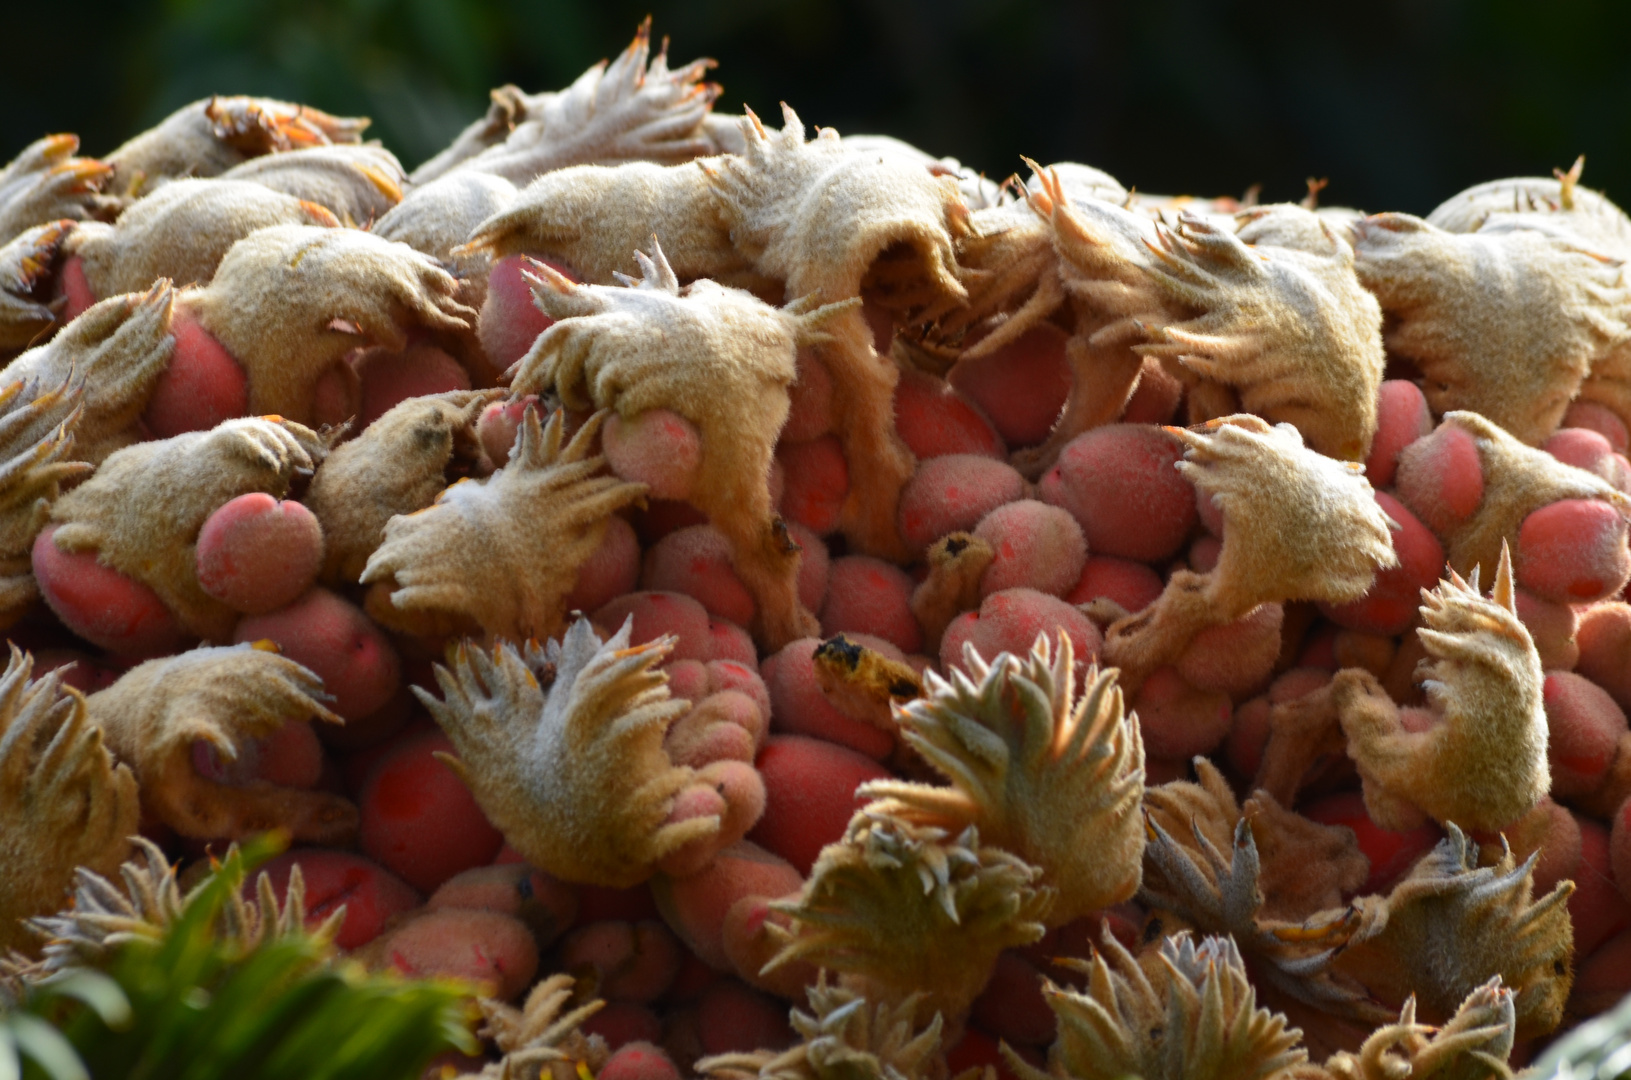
(1399, 102)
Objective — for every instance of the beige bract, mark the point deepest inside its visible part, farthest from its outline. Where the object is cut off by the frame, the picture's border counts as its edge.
(1506, 322)
(26, 262)
(46, 182)
(1482, 763)
(831, 222)
(289, 303)
(1284, 322)
(502, 553)
(37, 457)
(785, 217)
(1451, 926)
(1516, 481)
(209, 137)
(1558, 197)
(435, 218)
(1473, 1045)
(1298, 526)
(539, 1039)
(163, 715)
(843, 1037)
(182, 232)
(398, 465)
(141, 512)
(562, 746)
(1053, 776)
(905, 910)
(719, 357)
(118, 349)
(1194, 1018)
(357, 184)
(627, 110)
(63, 801)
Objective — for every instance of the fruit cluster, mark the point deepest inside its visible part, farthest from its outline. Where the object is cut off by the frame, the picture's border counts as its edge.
(661, 567)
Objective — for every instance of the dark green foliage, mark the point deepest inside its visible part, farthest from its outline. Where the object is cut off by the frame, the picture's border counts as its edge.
(1401, 103)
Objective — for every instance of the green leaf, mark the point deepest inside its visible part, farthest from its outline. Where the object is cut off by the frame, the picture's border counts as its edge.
(42, 1042)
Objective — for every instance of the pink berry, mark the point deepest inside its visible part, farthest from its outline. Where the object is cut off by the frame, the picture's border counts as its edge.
(103, 606)
(1131, 584)
(1574, 551)
(658, 448)
(696, 561)
(1402, 417)
(1010, 621)
(817, 482)
(1441, 479)
(332, 637)
(1035, 546)
(694, 907)
(1021, 386)
(809, 795)
(256, 554)
(201, 386)
(1120, 485)
(952, 494)
(510, 322)
(869, 596)
(370, 894)
(418, 818)
(934, 420)
(611, 570)
(1584, 726)
(1391, 604)
(479, 946)
(1601, 419)
(1178, 720)
(390, 377)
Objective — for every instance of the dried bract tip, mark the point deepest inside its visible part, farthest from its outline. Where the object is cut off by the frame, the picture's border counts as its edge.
(574, 775)
(906, 909)
(1053, 776)
(1483, 763)
(1194, 1017)
(1451, 926)
(63, 801)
